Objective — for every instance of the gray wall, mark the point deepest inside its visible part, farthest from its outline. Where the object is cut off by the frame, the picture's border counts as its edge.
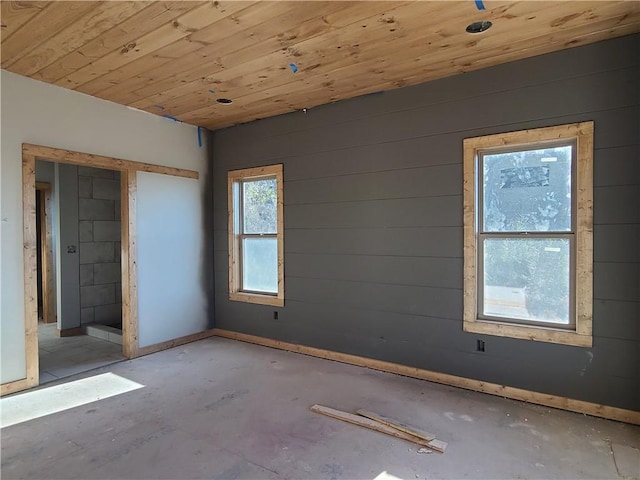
(373, 221)
(100, 235)
(67, 254)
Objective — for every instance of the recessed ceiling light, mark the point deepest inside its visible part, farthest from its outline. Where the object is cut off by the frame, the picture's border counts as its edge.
(479, 27)
(226, 101)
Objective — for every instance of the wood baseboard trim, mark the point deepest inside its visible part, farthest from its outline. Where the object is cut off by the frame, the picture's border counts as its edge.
(563, 403)
(173, 343)
(70, 332)
(13, 387)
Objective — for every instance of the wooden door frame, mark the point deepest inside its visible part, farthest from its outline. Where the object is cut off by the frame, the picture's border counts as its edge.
(46, 252)
(128, 170)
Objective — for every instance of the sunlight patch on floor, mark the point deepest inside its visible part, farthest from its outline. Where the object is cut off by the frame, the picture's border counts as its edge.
(46, 401)
(386, 476)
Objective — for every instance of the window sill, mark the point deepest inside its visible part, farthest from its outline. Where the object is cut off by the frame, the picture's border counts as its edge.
(527, 332)
(257, 298)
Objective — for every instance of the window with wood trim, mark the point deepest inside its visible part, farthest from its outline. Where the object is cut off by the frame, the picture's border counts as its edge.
(256, 249)
(528, 234)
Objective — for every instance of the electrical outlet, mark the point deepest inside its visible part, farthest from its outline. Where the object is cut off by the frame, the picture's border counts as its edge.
(275, 315)
(480, 346)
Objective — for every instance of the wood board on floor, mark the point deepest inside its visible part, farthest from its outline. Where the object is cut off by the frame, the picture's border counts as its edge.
(435, 444)
(416, 432)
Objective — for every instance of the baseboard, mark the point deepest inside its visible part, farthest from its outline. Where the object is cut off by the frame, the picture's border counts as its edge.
(12, 387)
(563, 403)
(70, 332)
(173, 343)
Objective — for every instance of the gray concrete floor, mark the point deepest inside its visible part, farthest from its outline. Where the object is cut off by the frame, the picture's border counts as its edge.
(61, 357)
(224, 409)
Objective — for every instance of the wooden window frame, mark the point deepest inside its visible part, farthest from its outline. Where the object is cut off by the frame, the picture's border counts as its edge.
(236, 293)
(582, 304)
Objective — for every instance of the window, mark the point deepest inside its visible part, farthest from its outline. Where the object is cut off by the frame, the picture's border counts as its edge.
(256, 250)
(528, 228)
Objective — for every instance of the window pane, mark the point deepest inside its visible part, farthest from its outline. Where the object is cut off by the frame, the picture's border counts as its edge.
(527, 279)
(260, 265)
(260, 206)
(527, 190)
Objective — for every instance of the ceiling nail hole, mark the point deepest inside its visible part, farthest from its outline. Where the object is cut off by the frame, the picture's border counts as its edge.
(225, 101)
(479, 27)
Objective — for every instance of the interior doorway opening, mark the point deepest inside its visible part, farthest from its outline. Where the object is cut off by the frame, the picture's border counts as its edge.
(79, 273)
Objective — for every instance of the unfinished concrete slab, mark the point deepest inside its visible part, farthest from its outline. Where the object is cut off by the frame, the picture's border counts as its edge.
(224, 409)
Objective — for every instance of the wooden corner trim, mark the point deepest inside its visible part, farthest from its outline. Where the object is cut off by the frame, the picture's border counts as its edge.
(563, 403)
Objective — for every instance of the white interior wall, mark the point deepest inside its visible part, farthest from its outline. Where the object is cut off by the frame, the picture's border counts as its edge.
(170, 294)
(43, 114)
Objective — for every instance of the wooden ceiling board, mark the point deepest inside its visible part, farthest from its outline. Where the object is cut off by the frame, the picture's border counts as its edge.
(393, 74)
(323, 54)
(88, 27)
(153, 16)
(46, 23)
(240, 34)
(176, 58)
(164, 57)
(377, 59)
(16, 14)
(271, 62)
(203, 15)
(251, 44)
(390, 76)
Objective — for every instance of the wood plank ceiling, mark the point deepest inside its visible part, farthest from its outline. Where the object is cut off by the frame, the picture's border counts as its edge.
(178, 58)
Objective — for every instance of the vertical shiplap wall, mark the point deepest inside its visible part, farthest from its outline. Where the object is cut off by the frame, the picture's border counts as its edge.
(373, 221)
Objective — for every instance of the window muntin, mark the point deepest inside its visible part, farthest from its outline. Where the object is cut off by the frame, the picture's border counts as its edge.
(528, 234)
(256, 235)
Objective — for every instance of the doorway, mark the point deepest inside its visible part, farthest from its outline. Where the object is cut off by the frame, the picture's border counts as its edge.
(128, 174)
(44, 235)
(78, 234)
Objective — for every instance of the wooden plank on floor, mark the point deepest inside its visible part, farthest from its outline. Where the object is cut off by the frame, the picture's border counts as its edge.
(436, 445)
(416, 432)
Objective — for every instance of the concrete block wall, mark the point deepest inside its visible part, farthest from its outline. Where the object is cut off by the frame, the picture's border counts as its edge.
(100, 230)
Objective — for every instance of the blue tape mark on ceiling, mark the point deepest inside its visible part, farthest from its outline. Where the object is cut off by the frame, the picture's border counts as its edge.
(479, 4)
(159, 107)
(293, 67)
(211, 91)
(171, 117)
(199, 138)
